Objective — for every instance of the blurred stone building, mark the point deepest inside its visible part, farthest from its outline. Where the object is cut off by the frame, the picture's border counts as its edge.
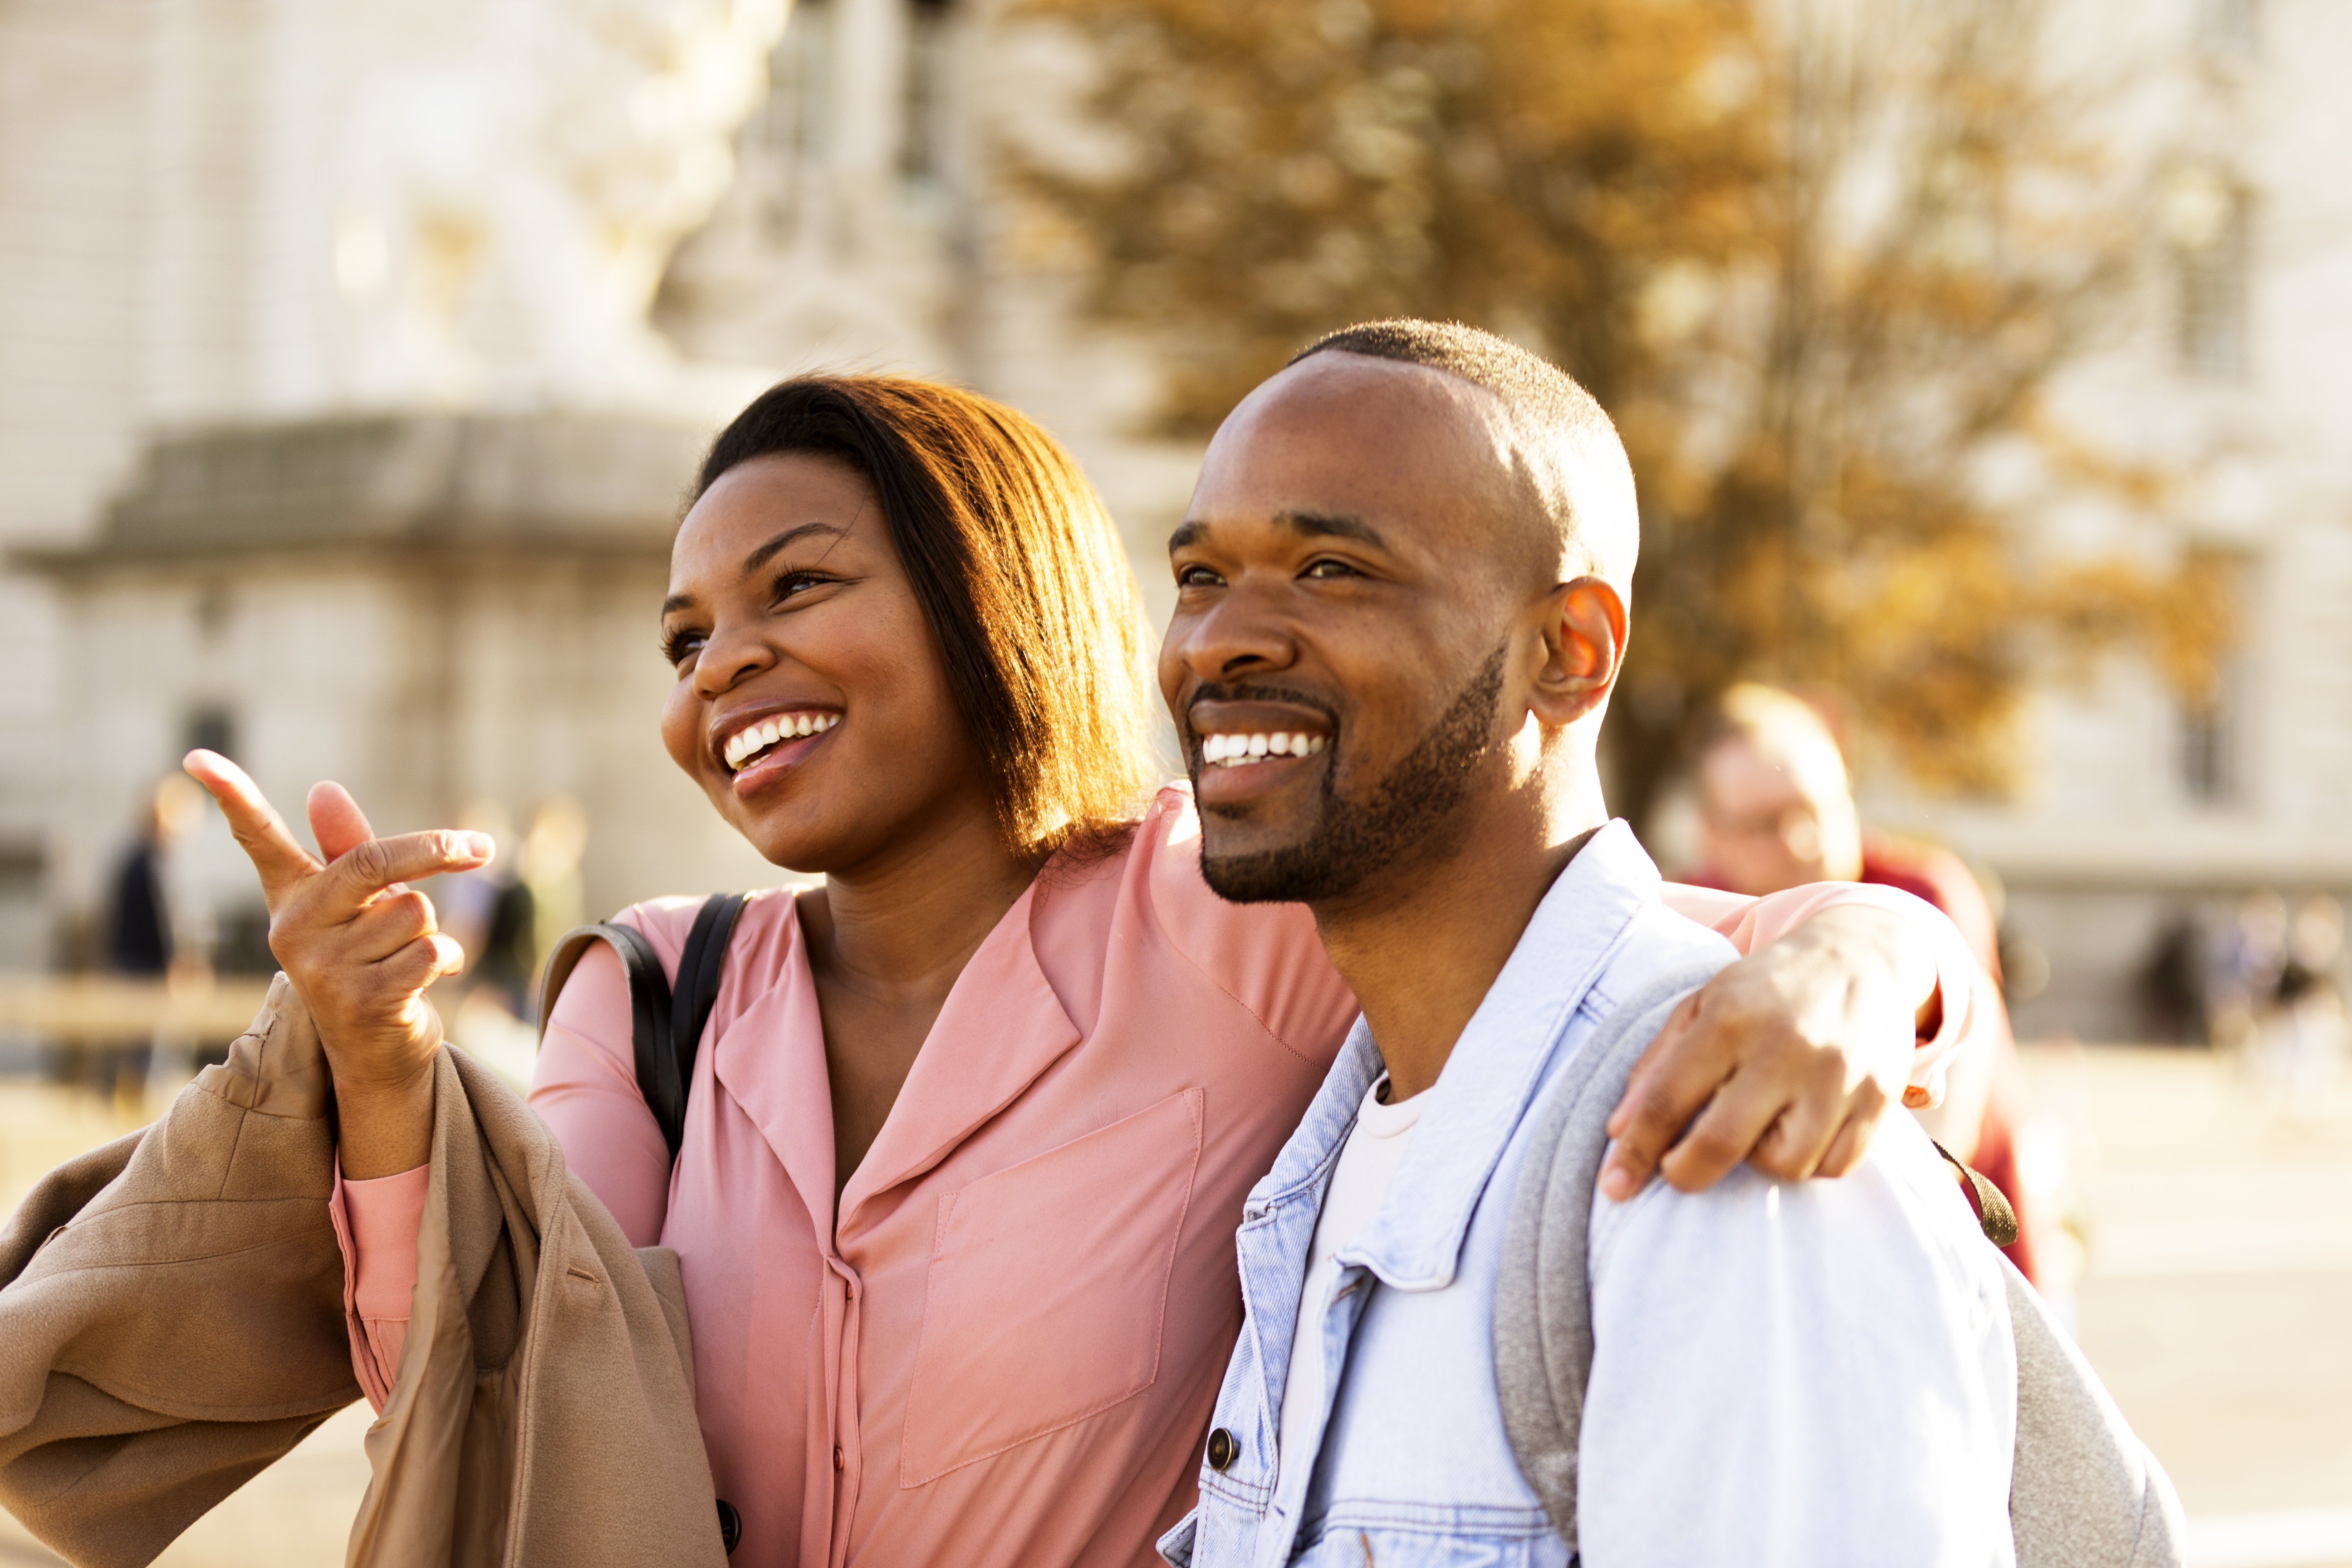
(352, 360)
(2143, 818)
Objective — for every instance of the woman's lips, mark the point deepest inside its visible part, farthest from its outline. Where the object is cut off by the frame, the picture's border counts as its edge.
(775, 763)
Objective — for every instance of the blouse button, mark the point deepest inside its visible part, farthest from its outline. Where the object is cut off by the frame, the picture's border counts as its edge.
(836, 1457)
(1223, 1449)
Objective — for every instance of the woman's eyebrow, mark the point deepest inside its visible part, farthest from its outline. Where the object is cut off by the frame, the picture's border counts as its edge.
(767, 552)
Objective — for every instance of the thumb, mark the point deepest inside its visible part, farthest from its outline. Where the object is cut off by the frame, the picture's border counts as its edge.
(336, 821)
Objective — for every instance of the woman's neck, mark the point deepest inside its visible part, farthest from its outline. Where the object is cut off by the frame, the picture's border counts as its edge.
(900, 930)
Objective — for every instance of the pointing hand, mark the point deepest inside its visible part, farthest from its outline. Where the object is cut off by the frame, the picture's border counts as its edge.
(360, 947)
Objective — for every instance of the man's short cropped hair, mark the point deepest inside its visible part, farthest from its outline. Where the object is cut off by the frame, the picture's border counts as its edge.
(1574, 466)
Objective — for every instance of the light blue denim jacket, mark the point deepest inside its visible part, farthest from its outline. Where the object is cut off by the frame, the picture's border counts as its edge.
(1411, 1466)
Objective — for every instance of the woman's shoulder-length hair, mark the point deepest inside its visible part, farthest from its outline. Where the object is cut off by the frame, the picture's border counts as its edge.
(1018, 569)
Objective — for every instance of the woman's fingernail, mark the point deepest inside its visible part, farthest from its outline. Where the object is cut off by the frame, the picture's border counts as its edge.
(480, 844)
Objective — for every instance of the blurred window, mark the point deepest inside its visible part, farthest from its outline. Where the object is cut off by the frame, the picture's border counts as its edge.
(799, 110)
(923, 147)
(2210, 770)
(2214, 258)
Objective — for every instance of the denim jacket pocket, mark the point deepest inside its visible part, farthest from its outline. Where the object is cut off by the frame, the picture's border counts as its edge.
(1058, 1266)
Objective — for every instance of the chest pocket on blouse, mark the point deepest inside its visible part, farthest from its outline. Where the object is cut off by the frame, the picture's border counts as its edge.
(1047, 1286)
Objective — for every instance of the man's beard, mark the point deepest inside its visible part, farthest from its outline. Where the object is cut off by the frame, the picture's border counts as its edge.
(1412, 813)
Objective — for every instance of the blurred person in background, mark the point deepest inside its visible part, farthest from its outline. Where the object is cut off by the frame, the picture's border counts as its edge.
(907, 656)
(2246, 966)
(466, 903)
(158, 928)
(2298, 1025)
(508, 916)
(551, 851)
(1777, 810)
(493, 915)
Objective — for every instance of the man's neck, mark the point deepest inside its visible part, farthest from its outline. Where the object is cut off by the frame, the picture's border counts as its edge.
(1421, 948)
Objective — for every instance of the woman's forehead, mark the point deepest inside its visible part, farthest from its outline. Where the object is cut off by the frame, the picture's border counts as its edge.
(764, 505)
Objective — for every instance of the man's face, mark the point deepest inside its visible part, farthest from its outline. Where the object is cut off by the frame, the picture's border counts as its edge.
(1765, 831)
(1347, 647)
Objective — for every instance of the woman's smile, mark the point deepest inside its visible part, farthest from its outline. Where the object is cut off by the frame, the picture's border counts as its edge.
(760, 748)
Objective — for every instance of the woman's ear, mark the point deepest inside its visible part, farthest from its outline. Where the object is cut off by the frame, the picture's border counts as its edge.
(1584, 627)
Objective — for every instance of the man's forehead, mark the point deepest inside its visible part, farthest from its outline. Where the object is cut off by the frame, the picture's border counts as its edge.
(1346, 435)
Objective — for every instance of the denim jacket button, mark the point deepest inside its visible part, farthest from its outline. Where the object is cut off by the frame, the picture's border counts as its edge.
(1223, 1449)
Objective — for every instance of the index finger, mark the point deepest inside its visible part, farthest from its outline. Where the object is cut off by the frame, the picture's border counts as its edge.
(277, 855)
(1677, 1076)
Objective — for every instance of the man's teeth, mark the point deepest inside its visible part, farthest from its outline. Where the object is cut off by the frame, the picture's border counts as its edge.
(744, 743)
(1239, 750)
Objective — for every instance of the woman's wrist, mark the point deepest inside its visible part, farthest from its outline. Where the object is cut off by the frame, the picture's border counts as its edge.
(383, 1129)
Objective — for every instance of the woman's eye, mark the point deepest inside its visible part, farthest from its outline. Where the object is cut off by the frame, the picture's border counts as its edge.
(1196, 577)
(677, 646)
(793, 584)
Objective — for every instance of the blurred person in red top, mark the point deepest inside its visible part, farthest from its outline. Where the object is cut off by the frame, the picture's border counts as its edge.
(1777, 810)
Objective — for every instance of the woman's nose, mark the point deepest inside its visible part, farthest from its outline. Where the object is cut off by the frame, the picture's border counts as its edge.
(728, 659)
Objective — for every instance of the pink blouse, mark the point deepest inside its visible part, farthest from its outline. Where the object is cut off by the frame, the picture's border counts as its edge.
(1003, 1343)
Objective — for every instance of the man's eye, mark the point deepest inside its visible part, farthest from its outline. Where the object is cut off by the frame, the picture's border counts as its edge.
(1196, 577)
(1330, 569)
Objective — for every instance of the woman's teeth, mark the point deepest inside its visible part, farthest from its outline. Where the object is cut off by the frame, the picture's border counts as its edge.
(1238, 751)
(745, 744)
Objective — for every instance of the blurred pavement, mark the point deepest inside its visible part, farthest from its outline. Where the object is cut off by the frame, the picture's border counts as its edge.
(2217, 1304)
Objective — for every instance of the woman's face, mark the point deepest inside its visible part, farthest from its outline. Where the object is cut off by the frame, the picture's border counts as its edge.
(811, 703)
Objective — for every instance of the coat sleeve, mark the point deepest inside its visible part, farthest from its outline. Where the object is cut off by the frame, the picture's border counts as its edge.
(172, 1319)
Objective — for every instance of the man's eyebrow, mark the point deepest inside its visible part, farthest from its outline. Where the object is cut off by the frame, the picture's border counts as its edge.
(1324, 524)
(1301, 524)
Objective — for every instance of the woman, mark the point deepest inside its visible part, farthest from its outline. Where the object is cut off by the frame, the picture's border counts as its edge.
(971, 1127)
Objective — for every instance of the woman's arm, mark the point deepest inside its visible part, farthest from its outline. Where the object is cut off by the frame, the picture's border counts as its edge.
(1851, 997)
(585, 1088)
(360, 947)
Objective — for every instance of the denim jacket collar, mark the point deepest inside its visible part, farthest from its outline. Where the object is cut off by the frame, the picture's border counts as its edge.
(1414, 1242)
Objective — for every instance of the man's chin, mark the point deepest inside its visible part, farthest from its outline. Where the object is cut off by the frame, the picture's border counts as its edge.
(1293, 874)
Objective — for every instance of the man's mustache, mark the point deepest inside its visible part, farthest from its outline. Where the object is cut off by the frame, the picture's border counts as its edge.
(1255, 692)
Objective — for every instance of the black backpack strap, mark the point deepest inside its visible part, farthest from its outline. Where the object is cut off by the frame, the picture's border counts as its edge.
(666, 1027)
(699, 964)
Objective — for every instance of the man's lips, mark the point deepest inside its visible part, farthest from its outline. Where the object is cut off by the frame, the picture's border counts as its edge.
(1250, 748)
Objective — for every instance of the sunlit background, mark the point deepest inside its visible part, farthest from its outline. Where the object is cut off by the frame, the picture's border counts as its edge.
(1986, 365)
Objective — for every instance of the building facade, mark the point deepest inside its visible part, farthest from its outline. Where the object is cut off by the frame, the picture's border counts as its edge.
(241, 240)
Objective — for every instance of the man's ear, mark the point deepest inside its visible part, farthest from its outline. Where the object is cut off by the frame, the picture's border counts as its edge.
(1584, 629)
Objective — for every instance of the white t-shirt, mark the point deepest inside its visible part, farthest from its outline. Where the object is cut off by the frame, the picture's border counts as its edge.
(1367, 1162)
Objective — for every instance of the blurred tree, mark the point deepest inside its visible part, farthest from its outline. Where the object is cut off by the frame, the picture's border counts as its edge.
(1821, 262)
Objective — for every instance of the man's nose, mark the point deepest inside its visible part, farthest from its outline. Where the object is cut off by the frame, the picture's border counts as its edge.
(1240, 634)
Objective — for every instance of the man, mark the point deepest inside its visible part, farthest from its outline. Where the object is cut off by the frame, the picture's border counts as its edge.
(1776, 810)
(1416, 544)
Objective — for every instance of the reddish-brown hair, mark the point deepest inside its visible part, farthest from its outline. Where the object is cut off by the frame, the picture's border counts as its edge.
(1018, 569)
